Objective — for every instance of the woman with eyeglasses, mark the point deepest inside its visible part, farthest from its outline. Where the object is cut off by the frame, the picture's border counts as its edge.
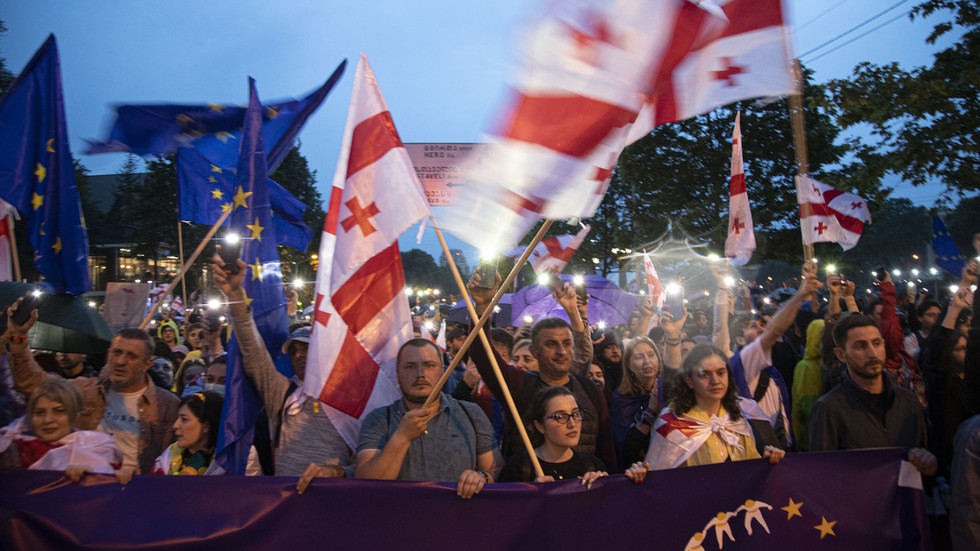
(554, 428)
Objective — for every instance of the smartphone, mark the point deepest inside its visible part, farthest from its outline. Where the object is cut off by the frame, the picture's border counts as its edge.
(231, 250)
(879, 273)
(675, 302)
(31, 302)
(488, 273)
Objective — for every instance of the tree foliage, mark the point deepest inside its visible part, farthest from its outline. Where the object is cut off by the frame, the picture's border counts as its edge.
(6, 77)
(926, 120)
(295, 175)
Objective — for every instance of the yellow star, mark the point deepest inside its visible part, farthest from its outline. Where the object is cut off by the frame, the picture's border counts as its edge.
(41, 172)
(57, 245)
(248, 301)
(224, 136)
(212, 179)
(793, 509)
(49, 147)
(256, 269)
(256, 229)
(215, 169)
(215, 106)
(826, 527)
(184, 119)
(37, 200)
(217, 194)
(225, 208)
(240, 197)
(271, 113)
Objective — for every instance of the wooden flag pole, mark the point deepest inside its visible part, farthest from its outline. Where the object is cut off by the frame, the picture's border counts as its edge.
(185, 267)
(180, 251)
(13, 247)
(486, 345)
(799, 139)
(486, 315)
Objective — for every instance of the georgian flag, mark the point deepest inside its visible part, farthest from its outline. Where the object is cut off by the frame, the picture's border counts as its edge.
(553, 253)
(361, 316)
(655, 289)
(830, 215)
(6, 252)
(741, 236)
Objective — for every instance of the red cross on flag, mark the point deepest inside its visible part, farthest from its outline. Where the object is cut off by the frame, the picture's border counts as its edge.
(553, 253)
(830, 215)
(361, 316)
(655, 288)
(741, 236)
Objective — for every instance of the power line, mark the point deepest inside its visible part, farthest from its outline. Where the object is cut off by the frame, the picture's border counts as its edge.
(862, 35)
(825, 12)
(856, 27)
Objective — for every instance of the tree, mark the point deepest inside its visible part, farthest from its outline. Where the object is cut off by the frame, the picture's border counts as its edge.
(6, 77)
(295, 175)
(926, 120)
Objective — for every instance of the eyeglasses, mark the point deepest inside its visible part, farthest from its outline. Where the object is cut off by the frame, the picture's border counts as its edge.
(561, 417)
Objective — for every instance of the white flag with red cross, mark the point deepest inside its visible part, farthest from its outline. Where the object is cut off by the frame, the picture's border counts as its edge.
(741, 237)
(553, 253)
(361, 316)
(830, 215)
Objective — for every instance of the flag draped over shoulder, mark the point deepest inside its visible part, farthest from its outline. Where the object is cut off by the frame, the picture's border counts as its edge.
(263, 288)
(947, 255)
(741, 236)
(553, 253)
(36, 172)
(830, 215)
(361, 315)
(597, 76)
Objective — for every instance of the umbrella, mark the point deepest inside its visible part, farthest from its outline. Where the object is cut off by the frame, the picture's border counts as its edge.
(501, 314)
(607, 302)
(65, 323)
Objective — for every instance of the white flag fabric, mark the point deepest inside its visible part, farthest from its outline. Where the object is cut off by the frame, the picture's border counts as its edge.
(741, 236)
(361, 316)
(553, 253)
(655, 290)
(830, 215)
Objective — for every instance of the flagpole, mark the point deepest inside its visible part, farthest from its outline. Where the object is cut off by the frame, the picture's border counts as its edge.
(486, 315)
(13, 247)
(799, 140)
(486, 345)
(180, 251)
(185, 267)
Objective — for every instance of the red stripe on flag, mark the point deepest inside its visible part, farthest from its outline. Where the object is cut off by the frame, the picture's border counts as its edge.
(333, 211)
(738, 184)
(831, 194)
(686, 29)
(352, 379)
(573, 125)
(370, 288)
(751, 15)
(372, 138)
(849, 223)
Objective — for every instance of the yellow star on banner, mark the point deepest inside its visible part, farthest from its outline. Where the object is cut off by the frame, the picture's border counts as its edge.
(215, 106)
(217, 194)
(48, 146)
(41, 172)
(256, 269)
(216, 169)
(225, 208)
(57, 245)
(248, 301)
(212, 179)
(37, 200)
(184, 119)
(224, 136)
(256, 229)
(793, 509)
(826, 527)
(240, 197)
(271, 113)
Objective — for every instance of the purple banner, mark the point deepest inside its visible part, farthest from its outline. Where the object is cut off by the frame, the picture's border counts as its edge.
(837, 500)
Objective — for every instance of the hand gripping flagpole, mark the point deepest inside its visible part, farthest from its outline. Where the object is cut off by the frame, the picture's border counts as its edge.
(799, 140)
(186, 266)
(486, 342)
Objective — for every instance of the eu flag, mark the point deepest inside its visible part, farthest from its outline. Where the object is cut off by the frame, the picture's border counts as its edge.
(251, 218)
(36, 173)
(947, 255)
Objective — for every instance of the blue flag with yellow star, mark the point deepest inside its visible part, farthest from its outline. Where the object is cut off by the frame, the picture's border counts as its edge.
(251, 218)
(36, 172)
(947, 255)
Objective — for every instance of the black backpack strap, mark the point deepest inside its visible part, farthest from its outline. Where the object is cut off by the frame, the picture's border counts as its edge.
(763, 386)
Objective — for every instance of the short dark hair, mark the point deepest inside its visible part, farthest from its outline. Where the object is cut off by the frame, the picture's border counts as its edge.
(548, 323)
(848, 323)
(135, 334)
(539, 408)
(682, 397)
(924, 307)
(417, 343)
(206, 406)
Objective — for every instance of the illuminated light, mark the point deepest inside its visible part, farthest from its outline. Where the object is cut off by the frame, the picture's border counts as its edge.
(297, 283)
(429, 326)
(831, 268)
(36, 293)
(673, 288)
(595, 260)
(601, 325)
(915, 256)
(419, 293)
(910, 283)
(232, 238)
(436, 292)
(214, 304)
(973, 288)
(91, 303)
(528, 319)
(713, 257)
(578, 279)
(915, 272)
(754, 311)
(627, 251)
(685, 301)
(165, 305)
(428, 291)
(496, 309)
(221, 319)
(933, 271)
(544, 278)
(728, 281)
(138, 281)
(642, 292)
(954, 288)
(769, 278)
(766, 300)
(313, 257)
(896, 272)
(409, 291)
(487, 254)
(868, 290)
(814, 259)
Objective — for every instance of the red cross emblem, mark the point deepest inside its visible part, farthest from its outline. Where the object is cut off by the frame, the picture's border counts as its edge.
(602, 174)
(320, 317)
(360, 217)
(821, 227)
(738, 225)
(729, 71)
(585, 40)
(857, 205)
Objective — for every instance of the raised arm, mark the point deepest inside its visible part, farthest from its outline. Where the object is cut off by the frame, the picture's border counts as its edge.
(783, 319)
(581, 338)
(26, 373)
(724, 297)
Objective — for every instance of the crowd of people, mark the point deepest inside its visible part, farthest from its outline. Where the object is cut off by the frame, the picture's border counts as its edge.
(815, 370)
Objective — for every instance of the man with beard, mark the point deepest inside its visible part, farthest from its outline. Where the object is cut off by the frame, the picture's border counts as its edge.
(866, 410)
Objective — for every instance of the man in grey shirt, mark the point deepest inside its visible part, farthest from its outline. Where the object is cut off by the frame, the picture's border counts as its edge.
(448, 441)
